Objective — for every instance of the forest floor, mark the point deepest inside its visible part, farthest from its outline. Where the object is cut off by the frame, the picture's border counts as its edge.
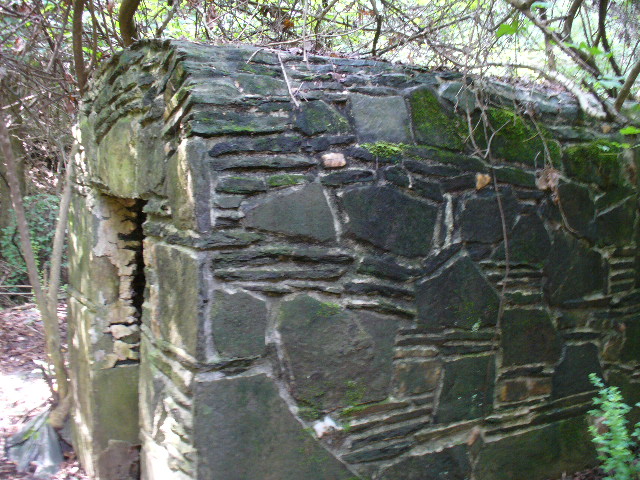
(24, 392)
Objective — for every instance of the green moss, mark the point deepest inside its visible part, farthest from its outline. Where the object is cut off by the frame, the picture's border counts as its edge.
(432, 126)
(355, 392)
(285, 180)
(326, 309)
(385, 150)
(518, 140)
(596, 162)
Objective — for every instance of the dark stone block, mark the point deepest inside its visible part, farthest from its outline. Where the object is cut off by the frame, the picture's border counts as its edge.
(396, 175)
(359, 153)
(456, 297)
(430, 190)
(481, 221)
(241, 185)
(390, 220)
(384, 266)
(461, 182)
(380, 119)
(346, 177)
(572, 270)
(515, 176)
(539, 454)
(631, 348)
(238, 323)
(433, 262)
(616, 225)
(321, 144)
(336, 358)
(279, 144)
(286, 180)
(423, 168)
(307, 214)
(578, 208)
(457, 160)
(415, 378)
(572, 374)
(317, 117)
(228, 201)
(375, 454)
(226, 122)
(281, 273)
(376, 288)
(467, 389)
(244, 430)
(528, 337)
(529, 242)
(261, 161)
(448, 464)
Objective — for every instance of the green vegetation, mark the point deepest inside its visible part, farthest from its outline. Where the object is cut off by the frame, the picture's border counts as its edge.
(598, 162)
(613, 442)
(432, 125)
(42, 211)
(386, 151)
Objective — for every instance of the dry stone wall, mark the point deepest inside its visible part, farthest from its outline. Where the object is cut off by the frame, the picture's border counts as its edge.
(327, 292)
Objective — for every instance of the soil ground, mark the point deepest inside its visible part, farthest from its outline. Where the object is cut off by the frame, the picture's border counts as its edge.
(24, 392)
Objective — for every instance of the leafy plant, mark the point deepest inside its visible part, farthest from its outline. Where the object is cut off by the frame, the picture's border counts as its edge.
(42, 211)
(610, 434)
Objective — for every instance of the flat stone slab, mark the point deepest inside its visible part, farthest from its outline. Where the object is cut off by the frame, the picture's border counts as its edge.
(304, 212)
(390, 220)
(380, 119)
(244, 430)
(336, 358)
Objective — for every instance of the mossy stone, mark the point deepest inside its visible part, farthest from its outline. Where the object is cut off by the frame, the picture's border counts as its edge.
(528, 337)
(336, 358)
(317, 117)
(596, 162)
(243, 428)
(518, 140)
(538, 454)
(467, 389)
(238, 324)
(458, 296)
(285, 180)
(431, 125)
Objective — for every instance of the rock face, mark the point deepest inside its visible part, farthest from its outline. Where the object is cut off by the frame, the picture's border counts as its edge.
(338, 290)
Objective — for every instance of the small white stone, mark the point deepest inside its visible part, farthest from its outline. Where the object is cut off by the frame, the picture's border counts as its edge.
(324, 426)
(333, 160)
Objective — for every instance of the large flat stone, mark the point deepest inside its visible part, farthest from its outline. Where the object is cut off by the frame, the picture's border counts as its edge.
(390, 220)
(303, 212)
(336, 358)
(467, 389)
(448, 464)
(529, 242)
(458, 296)
(380, 119)
(432, 126)
(244, 430)
(539, 454)
(573, 270)
(528, 336)
(572, 374)
(481, 219)
(238, 323)
(178, 317)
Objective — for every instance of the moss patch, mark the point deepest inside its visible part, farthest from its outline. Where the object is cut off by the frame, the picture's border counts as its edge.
(386, 151)
(518, 140)
(285, 180)
(596, 162)
(432, 126)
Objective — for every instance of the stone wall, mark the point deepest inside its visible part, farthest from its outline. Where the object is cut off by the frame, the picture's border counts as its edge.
(327, 292)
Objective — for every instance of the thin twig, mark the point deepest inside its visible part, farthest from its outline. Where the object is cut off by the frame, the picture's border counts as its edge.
(286, 79)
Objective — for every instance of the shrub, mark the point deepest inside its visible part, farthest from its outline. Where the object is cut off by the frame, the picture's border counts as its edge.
(614, 443)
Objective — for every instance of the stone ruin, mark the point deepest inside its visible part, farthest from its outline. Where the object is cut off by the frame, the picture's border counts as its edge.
(304, 276)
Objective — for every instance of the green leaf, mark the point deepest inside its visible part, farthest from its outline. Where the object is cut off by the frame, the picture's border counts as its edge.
(507, 29)
(630, 130)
